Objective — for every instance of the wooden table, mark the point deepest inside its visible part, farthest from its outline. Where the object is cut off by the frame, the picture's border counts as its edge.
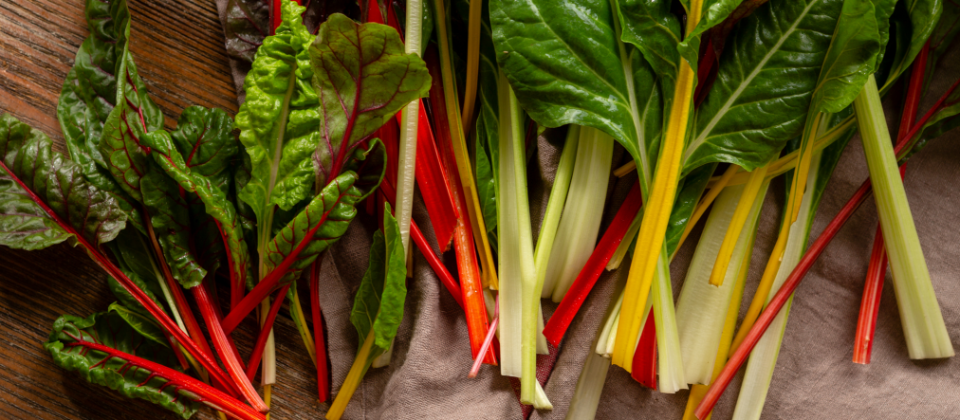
(178, 47)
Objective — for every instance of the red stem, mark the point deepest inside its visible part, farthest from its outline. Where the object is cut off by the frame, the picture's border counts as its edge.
(204, 358)
(464, 236)
(491, 335)
(560, 321)
(205, 393)
(707, 65)
(227, 350)
(264, 334)
(645, 358)
(773, 307)
(431, 179)
(319, 342)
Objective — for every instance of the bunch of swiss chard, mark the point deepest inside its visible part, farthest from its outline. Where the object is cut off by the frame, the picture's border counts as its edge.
(253, 200)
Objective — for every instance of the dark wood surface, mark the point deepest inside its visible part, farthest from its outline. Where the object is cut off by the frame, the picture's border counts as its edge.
(178, 47)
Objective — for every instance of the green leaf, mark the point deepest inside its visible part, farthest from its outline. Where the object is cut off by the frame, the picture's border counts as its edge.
(111, 330)
(852, 57)
(912, 24)
(656, 32)
(567, 66)
(945, 119)
(36, 172)
(318, 226)
(714, 13)
(363, 78)
(379, 301)
(134, 115)
(941, 39)
(278, 121)
(487, 128)
(143, 324)
(188, 174)
(170, 217)
(89, 95)
(765, 79)
(135, 260)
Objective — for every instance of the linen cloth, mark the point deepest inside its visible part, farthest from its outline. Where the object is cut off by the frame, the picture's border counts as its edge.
(814, 377)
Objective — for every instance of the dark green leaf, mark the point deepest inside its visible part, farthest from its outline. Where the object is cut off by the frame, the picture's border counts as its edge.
(567, 66)
(690, 191)
(58, 183)
(914, 22)
(143, 324)
(111, 330)
(655, 30)
(133, 257)
(378, 304)
(765, 79)
(170, 218)
(486, 127)
(943, 35)
(715, 12)
(245, 24)
(318, 226)
(134, 115)
(89, 94)
(363, 78)
(188, 174)
(945, 119)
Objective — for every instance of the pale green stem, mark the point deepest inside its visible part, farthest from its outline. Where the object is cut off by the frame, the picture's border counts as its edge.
(920, 315)
(558, 196)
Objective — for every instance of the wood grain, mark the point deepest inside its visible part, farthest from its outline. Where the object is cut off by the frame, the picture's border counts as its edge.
(178, 47)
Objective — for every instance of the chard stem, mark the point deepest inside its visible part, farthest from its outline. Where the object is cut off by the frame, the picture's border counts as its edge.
(658, 208)
(923, 324)
(352, 381)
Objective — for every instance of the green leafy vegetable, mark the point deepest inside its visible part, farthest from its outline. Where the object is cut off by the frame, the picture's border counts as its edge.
(27, 157)
(142, 323)
(111, 330)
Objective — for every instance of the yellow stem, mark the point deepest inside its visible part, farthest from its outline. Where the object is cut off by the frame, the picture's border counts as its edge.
(707, 200)
(803, 165)
(658, 208)
(352, 381)
(305, 334)
(626, 169)
(766, 282)
(736, 226)
(267, 396)
(460, 152)
(473, 64)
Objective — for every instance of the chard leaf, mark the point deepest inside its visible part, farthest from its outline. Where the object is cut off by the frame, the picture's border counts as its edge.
(134, 114)
(912, 24)
(945, 119)
(943, 35)
(111, 330)
(170, 218)
(140, 322)
(189, 174)
(656, 31)
(89, 95)
(857, 41)
(362, 78)
(568, 66)
(765, 79)
(715, 12)
(36, 181)
(378, 304)
(315, 228)
(279, 119)
(134, 259)
(245, 24)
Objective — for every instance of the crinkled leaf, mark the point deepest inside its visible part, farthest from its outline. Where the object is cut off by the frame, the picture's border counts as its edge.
(363, 78)
(134, 114)
(688, 196)
(57, 182)
(765, 79)
(142, 323)
(378, 304)
(111, 330)
(278, 121)
(567, 66)
(370, 165)
(318, 226)
(188, 174)
(89, 94)
(170, 217)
